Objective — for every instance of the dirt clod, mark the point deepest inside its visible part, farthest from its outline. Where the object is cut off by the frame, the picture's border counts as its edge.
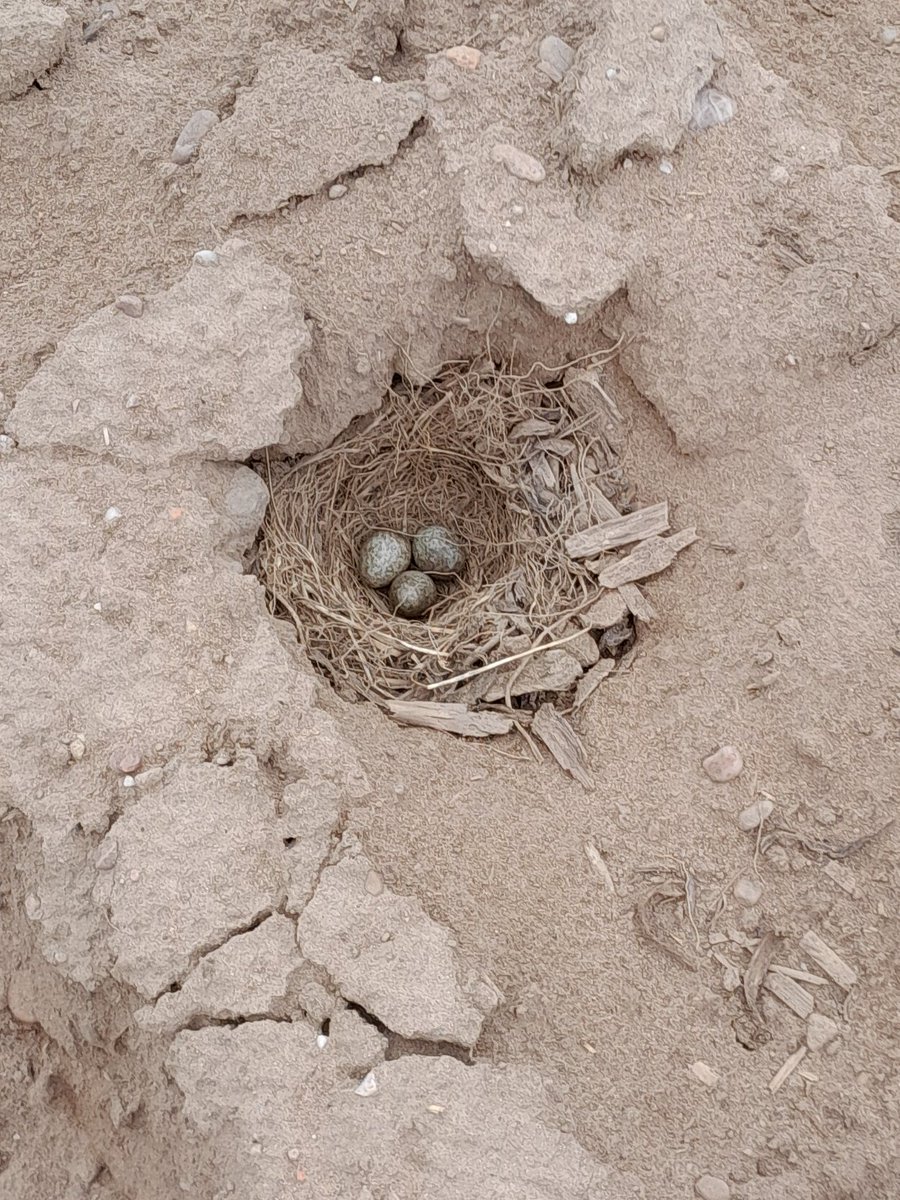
(724, 764)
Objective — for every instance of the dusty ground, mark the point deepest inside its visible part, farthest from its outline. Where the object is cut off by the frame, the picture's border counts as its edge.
(289, 868)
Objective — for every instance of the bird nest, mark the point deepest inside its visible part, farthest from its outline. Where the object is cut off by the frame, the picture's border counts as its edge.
(511, 465)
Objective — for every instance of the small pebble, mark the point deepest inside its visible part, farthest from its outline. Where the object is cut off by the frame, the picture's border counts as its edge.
(467, 58)
(376, 79)
(438, 90)
(889, 35)
(197, 127)
(130, 305)
(571, 318)
(32, 906)
(711, 107)
(77, 749)
(374, 884)
(107, 853)
(293, 1154)
(725, 764)
(754, 814)
(518, 163)
(556, 57)
(126, 760)
(665, 166)
(128, 781)
(659, 33)
(820, 1030)
(711, 1187)
(368, 1086)
(748, 891)
(112, 515)
(321, 1040)
(206, 258)
(7, 445)
(336, 191)
(20, 999)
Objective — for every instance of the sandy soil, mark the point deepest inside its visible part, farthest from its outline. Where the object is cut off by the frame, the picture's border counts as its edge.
(203, 970)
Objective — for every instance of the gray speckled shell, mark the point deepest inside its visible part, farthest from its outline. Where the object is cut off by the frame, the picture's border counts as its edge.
(412, 593)
(437, 551)
(382, 557)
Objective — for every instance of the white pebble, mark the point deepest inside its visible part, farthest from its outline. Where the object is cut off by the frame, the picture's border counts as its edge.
(293, 1154)
(889, 35)
(130, 305)
(376, 79)
(612, 72)
(556, 57)
(107, 853)
(753, 815)
(198, 126)
(725, 764)
(519, 164)
(132, 401)
(77, 749)
(748, 891)
(336, 191)
(368, 1086)
(7, 445)
(571, 318)
(322, 1040)
(128, 781)
(710, 1187)
(711, 107)
(32, 906)
(659, 33)
(665, 166)
(779, 174)
(206, 258)
(112, 514)
(820, 1030)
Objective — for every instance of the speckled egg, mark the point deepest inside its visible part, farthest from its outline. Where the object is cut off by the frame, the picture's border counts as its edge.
(412, 593)
(437, 551)
(382, 557)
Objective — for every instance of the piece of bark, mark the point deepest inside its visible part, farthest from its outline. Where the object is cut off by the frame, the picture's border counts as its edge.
(832, 964)
(789, 992)
(632, 527)
(802, 976)
(820, 1031)
(841, 875)
(595, 858)
(609, 610)
(787, 1068)
(554, 671)
(636, 602)
(563, 743)
(533, 427)
(450, 718)
(649, 558)
(757, 969)
(591, 680)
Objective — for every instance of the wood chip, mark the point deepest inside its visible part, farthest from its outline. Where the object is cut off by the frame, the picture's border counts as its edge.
(841, 875)
(632, 527)
(533, 427)
(563, 743)
(794, 973)
(649, 558)
(787, 1068)
(832, 964)
(757, 969)
(609, 610)
(820, 1031)
(636, 602)
(450, 718)
(790, 992)
(591, 680)
(595, 858)
(705, 1073)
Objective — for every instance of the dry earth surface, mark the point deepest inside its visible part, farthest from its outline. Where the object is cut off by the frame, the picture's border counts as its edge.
(260, 943)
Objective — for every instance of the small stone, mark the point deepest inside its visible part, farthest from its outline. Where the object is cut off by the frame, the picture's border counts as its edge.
(206, 258)
(753, 816)
(556, 57)
(439, 91)
(665, 166)
(711, 1187)
(748, 891)
(149, 777)
(77, 749)
(705, 1073)
(32, 906)
(518, 163)
(126, 760)
(711, 107)
(130, 305)
(20, 999)
(725, 764)
(197, 127)
(106, 855)
(368, 1086)
(571, 318)
(112, 515)
(293, 1154)
(128, 781)
(321, 1040)
(374, 884)
(779, 174)
(336, 191)
(820, 1030)
(889, 35)
(467, 58)
(659, 33)
(7, 445)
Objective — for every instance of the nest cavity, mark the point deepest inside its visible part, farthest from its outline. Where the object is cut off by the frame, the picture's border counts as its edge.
(510, 464)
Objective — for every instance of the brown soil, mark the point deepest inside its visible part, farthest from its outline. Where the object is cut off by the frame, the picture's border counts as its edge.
(756, 289)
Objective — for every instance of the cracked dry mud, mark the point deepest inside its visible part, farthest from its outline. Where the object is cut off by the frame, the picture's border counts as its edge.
(209, 963)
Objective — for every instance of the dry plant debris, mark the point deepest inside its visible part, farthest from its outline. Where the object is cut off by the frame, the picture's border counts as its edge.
(520, 472)
(664, 890)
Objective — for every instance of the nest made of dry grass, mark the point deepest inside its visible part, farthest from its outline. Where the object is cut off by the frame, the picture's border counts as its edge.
(508, 463)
